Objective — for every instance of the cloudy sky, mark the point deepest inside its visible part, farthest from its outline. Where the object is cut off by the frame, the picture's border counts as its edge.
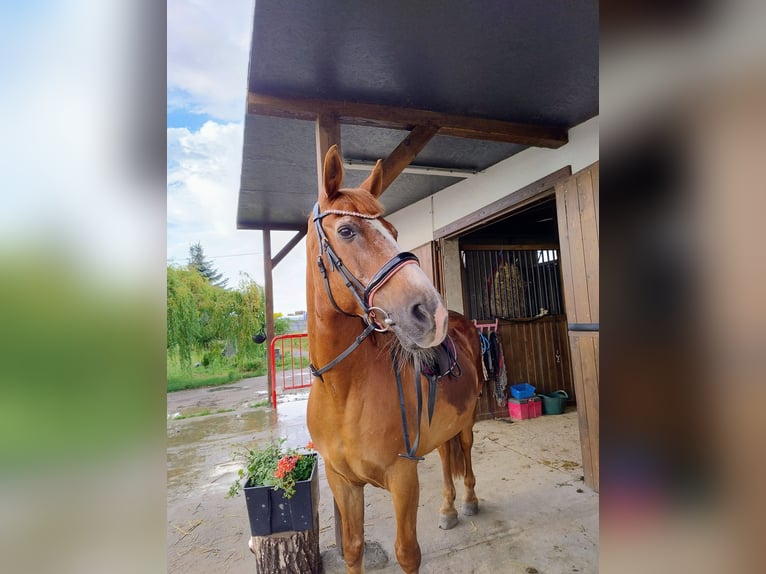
(207, 52)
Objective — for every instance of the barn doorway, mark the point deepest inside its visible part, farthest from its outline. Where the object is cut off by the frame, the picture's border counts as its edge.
(511, 272)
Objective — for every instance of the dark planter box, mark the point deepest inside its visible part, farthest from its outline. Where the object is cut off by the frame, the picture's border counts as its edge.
(269, 511)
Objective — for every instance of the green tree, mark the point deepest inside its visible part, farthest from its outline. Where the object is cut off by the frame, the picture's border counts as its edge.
(214, 322)
(198, 261)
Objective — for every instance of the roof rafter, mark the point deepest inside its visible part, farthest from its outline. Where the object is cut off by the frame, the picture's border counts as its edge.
(376, 115)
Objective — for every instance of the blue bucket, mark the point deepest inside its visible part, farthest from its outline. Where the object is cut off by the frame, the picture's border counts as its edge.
(553, 403)
(522, 391)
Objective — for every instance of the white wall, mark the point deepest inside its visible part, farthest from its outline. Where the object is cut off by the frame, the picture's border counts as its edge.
(417, 222)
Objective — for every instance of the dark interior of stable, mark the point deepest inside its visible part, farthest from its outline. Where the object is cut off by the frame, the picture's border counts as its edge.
(511, 274)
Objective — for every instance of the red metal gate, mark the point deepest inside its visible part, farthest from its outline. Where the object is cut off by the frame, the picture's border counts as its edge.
(291, 371)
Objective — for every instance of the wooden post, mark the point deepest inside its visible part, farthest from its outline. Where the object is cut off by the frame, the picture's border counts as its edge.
(327, 135)
(292, 552)
(269, 295)
(288, 552)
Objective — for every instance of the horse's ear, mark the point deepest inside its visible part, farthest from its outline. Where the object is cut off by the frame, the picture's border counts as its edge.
(374, 182)
(333, 173)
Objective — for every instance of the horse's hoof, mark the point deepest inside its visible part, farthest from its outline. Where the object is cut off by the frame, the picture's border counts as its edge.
(447, 521)
(470, 508)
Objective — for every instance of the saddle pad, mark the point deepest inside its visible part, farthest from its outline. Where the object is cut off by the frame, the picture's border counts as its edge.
(443, 360)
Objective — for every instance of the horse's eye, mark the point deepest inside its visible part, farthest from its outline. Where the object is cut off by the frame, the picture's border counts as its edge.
(346, 232)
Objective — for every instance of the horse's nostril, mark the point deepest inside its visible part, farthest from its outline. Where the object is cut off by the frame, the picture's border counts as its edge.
(420, 313)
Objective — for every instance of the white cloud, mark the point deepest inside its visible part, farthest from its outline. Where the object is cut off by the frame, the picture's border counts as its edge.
(203, 185)
(208, 50)
(203, 175)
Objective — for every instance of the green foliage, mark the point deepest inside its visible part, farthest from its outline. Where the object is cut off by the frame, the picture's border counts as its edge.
(273, 466)
(202, 413)
(222, 372)
(213, 323)
(281, 325)
(204, 267)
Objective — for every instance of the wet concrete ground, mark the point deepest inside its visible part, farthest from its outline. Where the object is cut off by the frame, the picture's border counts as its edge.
(535, 512)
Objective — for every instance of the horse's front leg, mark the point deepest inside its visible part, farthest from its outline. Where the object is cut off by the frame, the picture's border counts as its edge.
(405, 491)
(350, 500)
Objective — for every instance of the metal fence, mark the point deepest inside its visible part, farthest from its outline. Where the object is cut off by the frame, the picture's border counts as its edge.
(289, 356)
(511, 284)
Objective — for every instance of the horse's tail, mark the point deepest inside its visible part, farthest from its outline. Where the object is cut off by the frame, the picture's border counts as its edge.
(456, 457)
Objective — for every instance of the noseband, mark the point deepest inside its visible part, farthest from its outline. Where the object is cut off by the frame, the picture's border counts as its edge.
(363, 295)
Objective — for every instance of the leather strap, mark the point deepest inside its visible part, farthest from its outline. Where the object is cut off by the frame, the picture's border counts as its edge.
(358, 341)
(411, 450)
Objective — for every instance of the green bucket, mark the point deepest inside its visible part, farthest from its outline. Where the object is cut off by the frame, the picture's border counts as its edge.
(553, 404)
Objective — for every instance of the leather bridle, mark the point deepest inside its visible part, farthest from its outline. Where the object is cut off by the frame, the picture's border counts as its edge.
(363, 294)
(364, 297)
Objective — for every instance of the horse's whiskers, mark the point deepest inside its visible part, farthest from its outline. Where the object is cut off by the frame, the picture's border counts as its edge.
(405, 356)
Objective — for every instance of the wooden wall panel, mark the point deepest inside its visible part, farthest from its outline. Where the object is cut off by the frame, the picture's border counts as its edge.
(577, 209)
(536, 352)
(589, 233)
(578, 221)
(584, 352)
(425, 254)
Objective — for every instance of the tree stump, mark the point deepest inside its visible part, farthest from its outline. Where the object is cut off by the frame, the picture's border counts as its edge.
(291, 552)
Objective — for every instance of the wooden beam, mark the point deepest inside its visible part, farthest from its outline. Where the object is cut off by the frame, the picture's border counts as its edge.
(327, 135)
(376, 115)
(287, 248)
(406, 151)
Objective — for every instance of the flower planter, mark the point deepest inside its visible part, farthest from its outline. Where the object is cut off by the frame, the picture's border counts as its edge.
(269, 511)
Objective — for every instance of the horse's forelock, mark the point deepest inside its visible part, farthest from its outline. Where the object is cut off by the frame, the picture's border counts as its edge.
(357, 200)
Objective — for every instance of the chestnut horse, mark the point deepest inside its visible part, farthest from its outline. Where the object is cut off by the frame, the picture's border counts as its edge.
(364, 410)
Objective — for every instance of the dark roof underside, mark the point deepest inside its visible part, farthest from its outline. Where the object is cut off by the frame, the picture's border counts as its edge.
(525, 61)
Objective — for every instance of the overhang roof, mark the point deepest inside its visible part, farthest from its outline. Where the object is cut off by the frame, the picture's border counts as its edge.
(385, 67)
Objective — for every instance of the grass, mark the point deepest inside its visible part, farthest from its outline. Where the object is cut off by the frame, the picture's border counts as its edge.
(203, 413)
(210, 376)
(200, 379)
(263, 403)
(217, 374)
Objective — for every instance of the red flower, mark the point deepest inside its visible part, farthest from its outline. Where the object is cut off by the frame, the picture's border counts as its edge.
(286, 465)
(310, 445)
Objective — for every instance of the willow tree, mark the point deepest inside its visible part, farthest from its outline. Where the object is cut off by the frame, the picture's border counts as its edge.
(208, 319)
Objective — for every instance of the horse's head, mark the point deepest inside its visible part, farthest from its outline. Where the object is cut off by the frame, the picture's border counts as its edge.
(347, 225)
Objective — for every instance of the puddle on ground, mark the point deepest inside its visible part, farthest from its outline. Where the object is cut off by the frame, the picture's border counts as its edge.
(195, 445)
(196, 429)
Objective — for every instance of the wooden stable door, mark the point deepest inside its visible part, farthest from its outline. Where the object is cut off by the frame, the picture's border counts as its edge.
(577, 211)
